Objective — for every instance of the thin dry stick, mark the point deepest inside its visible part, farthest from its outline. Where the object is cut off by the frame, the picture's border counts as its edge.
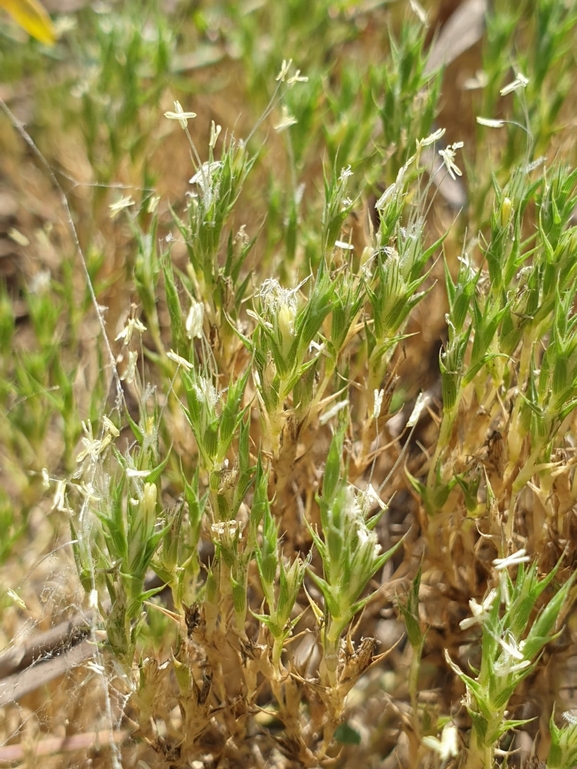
(18, 685)
(52, 745)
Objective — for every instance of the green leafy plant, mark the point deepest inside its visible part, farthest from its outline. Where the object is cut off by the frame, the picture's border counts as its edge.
(274, 413)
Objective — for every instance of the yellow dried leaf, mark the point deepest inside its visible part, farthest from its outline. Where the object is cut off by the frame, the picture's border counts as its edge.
(32, 17)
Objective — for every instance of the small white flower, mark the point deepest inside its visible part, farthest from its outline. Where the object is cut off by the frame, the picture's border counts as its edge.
(110, 427)
(88, 491)
(297, 78)
(512, 660)
(59, 501)
(96, 668)
(345, 173)
(480, 80)
(468, 267)
(214, 134)
(448, 155)
(447, 746)
(208, 181)
(242, 236)
(505, 590)
(396, 187)
(286, 65)
(16, 598)
(178, 359)
(130, 371)
(180, 115)
(518, 84)
(132, 325)
(480, 611)
(418, 409)
(344, 246)
(386, 196)
(120, 205)
(378, 396)
(431, 139)
(93, 447)
(328, 415)
(194, 320)
(511, 560)
(225, 531)
(153, 204)
(204, 175)
(489, 122)
(206, 392)
(273, 296)
(512, 648)
(370, 497)
(354, 510)
(285, 121)
(132, 472)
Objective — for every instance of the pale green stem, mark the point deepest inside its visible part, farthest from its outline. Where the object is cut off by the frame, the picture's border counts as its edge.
(311, 409)
(519, 483)
(331, 653)
(480, 756)
(277, 648)
(414, 688)
(445, 432)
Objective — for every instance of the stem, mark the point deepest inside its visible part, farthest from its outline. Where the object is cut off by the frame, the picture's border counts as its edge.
(444, 437)
(331, 643)
(480, 756)
(520, 481)
(313, 407)
(277, 648)
(414, 688)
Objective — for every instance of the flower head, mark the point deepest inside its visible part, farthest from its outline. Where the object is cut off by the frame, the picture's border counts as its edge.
(431, 139)
(447, 746)
(480, 611)
(511, 560)
(518, 84)
(448, 155)
(132, 325)
(180, 115)
(120, 205)
(286, 120)
(207, 179)
(280, 310)
(194, 320)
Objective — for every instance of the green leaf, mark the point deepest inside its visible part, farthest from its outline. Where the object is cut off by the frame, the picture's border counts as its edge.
(333, 473)
(347, 735)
